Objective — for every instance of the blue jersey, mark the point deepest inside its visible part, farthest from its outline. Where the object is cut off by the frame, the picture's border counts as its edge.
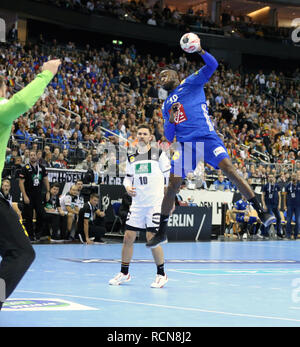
(292, 194)
(192, 121)
(271, 193)
(241, 205)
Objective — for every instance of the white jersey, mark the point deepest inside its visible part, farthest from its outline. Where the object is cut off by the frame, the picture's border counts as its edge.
(68, 200)
(146, 173)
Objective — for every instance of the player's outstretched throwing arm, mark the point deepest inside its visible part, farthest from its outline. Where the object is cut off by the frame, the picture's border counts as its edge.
(178, 94)
(207, 70)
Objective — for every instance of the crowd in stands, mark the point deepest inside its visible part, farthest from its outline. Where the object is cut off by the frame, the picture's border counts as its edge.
(231, 24)
(100, 96)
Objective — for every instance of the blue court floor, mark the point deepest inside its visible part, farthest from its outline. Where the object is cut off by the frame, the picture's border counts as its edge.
(210, 284)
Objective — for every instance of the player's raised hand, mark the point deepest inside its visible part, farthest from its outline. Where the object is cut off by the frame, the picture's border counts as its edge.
(52, 65)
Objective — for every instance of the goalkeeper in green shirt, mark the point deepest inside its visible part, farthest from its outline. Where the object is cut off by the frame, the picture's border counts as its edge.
(15, 248)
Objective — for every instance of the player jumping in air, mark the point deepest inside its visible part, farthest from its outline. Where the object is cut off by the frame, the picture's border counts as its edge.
(186, 116)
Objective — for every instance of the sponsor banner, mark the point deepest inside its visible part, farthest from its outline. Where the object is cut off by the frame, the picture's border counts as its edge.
(43, 305)
(65, 176)
(190, 224)
(110, 194)
(204, 198)
(111, 180)
(71, 176)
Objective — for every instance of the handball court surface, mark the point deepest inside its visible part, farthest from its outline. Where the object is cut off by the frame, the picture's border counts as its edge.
(249, 283)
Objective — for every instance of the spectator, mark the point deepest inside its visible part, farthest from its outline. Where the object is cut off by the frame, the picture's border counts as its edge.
(60, 162)
(22, 135)
(221, 184)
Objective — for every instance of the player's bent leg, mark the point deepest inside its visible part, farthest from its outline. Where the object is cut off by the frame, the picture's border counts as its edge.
(226, 166)
(170, 194)
(166, 208)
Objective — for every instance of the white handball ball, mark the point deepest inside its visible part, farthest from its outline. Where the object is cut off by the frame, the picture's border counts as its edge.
(190, 42)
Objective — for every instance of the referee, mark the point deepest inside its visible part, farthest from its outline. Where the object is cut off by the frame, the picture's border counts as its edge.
(15, 248)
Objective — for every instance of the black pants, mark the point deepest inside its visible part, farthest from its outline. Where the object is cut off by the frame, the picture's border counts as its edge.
(51, 220)
(15, 249)
(272, 209)
(95, 231)
(36, 204)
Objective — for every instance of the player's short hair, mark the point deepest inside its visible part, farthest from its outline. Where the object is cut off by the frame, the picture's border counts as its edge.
(5, 179)
(144, 126)
(94, 195)
(56, 185)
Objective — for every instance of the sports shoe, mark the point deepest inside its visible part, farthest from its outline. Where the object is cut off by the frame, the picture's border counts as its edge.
(99, 242)
(119, 279)
(267, 219)
(160, 281)
(158, 239)
(56, 240)
(82, 239)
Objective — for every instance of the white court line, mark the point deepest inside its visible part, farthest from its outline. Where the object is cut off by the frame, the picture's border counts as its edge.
(245, 272)
(164, 306)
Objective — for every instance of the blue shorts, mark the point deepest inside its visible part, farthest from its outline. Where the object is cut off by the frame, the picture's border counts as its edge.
(209, 149)
(241, 219)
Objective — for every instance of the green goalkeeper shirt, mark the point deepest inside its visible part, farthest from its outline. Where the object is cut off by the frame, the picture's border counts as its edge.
(20, 103)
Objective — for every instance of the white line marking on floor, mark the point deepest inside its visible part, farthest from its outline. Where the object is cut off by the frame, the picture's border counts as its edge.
(233, 272)
(194, 309)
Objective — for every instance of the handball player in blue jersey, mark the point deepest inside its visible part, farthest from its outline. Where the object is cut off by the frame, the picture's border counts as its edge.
(186, 116)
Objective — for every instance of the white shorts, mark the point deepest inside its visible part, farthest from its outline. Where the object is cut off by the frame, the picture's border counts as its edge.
(143, 218)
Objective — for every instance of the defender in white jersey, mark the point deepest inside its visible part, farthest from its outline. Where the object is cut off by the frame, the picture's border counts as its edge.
(146, 171)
